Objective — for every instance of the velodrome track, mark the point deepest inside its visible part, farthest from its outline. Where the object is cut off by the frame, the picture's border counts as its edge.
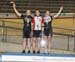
(66, 22)
(15, 39)
(57, 47)
(18, 49)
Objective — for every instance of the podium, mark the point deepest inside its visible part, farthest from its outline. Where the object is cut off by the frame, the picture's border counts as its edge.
(38, 57)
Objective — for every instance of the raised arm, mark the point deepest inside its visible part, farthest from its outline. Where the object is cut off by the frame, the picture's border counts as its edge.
(14, 7)
(55, 16)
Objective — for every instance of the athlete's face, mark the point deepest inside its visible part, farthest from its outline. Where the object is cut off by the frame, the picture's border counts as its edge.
(28, 12)
(37, 13)
(47, 13)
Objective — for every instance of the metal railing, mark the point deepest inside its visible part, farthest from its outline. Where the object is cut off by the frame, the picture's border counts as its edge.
(5, 28)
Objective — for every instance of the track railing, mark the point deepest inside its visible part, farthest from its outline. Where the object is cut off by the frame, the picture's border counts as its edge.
(5, 28)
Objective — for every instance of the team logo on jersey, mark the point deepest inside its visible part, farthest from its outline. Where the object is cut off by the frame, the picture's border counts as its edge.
(47, 20)
(37, 23)
(27, 20)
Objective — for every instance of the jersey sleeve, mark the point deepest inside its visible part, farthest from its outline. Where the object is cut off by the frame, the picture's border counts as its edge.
(42, 20)
(22, 16)
(33, 20)
(51, 17)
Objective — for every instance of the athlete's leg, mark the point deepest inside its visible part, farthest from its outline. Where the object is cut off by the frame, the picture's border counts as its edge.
(38, 44)
(46, 48)
(24, 45)
(49, 43)
(29, 44)
(34, 44)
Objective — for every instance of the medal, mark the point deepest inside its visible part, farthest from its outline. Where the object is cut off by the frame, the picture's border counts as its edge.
(27, 22)
(46, 25)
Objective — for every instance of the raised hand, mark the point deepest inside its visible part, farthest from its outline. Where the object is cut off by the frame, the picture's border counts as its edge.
(12, 2)
(61, 7)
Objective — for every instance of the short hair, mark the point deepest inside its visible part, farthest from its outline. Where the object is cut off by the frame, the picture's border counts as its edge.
(38, 10)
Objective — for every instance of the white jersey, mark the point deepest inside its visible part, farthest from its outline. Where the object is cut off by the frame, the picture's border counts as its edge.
(37, 22)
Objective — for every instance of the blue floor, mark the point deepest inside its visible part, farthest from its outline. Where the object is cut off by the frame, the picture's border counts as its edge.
(48, 55)
(44, 56)
(0, 57)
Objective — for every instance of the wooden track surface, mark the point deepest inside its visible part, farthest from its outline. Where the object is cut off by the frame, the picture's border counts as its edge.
(62, 22)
